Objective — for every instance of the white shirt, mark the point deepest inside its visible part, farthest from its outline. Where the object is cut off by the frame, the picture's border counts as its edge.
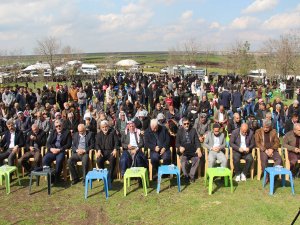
(221, 117)
(133, 140)
(216, 141)
(12, 140)
(243, 142)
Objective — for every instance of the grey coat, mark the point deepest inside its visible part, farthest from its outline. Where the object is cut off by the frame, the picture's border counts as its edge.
(209, 141)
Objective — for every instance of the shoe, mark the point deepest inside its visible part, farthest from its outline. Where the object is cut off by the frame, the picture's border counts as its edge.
(238, 178)
(187, 179)
(192, 180)
(74, 182)
(243, 177)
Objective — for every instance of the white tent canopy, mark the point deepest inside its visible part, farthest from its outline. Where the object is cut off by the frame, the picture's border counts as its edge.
(127, 62)
(37, 66)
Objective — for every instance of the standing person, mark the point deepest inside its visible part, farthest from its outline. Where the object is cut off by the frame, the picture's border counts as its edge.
(83, 142)
(188, 145)
(58, 142)
(62, 97)
(225, 99)
(81, 95)
(157, 139)
(73, 93)
(236, 101)
(11, 143)
(242, 143)
(249, 98)
(106, 145)
(36, 138)
(291, 141)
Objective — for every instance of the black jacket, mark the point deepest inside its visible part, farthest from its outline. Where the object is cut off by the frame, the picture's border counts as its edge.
(160, 139)
(181, 140)
(40, 140)
(65, 141)
(107, 142)
(19, 139)
(89, 142)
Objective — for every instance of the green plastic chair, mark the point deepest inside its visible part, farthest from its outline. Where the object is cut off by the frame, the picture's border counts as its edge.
(218, 172)
(140, 172)
(5, 172)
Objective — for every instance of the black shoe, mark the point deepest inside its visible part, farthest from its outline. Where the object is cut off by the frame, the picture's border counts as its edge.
(192, 180)
(74, 182)
(187, 179)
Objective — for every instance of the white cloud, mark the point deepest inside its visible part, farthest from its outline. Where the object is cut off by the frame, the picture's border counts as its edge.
(283, 21)
(243, 22)
(214, 25)
(260, 6)
(187, 15)
(132, 16)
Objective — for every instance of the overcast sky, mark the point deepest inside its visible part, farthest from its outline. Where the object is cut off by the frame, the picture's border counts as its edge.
(144, 25)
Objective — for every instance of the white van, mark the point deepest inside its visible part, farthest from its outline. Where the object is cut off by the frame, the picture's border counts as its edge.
(89, 69)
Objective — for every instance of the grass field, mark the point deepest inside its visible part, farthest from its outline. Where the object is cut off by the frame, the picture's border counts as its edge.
(250, 203)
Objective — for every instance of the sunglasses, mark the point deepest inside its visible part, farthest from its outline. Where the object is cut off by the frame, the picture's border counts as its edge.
(58, 126)
(186, 123)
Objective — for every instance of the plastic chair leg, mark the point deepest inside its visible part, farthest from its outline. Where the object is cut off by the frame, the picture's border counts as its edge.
(1, 181)
(271, 184)
(226, 181)
(86, 188)
(210, 185)
(7, 183)
(158, 183)
(125, 185)
(178, 182)
(49, 183)
(144, 184)
(231, 185)
(265, 176)
(283, 180)
(292, 182)
(30, 183)
(105, 187)
(91, 183)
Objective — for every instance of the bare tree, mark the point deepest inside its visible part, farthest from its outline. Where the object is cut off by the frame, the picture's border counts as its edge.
(191, 51)
(242, 61)
(49, 48)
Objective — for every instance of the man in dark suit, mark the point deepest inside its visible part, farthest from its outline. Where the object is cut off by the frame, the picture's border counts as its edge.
(11, 143)
(36, 138)
(23, 123)
(83, 143)
(242, 143)
(225, 99)
(236, 100)
(157, 139)
(71, 123)
(107, 144)
(61, 97)
(58, 142)
(289, 125)
(188, 145)
(234, 123)
(132, 144)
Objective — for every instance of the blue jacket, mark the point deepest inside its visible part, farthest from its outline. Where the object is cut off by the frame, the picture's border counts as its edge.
(225, 99)
(161, 138)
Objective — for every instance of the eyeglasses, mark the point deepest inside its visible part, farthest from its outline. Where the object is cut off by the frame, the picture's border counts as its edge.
(186, 123)
(57, 126)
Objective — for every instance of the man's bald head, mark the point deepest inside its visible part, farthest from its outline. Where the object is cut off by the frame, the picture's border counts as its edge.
(244, 129)
(297, 129)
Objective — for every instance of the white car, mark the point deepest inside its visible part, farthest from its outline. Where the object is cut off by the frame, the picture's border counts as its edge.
(164, 70)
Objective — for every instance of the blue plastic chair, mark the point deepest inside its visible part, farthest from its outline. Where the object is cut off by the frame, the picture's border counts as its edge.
(273, 171)
(96, 174)
(168, 169)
